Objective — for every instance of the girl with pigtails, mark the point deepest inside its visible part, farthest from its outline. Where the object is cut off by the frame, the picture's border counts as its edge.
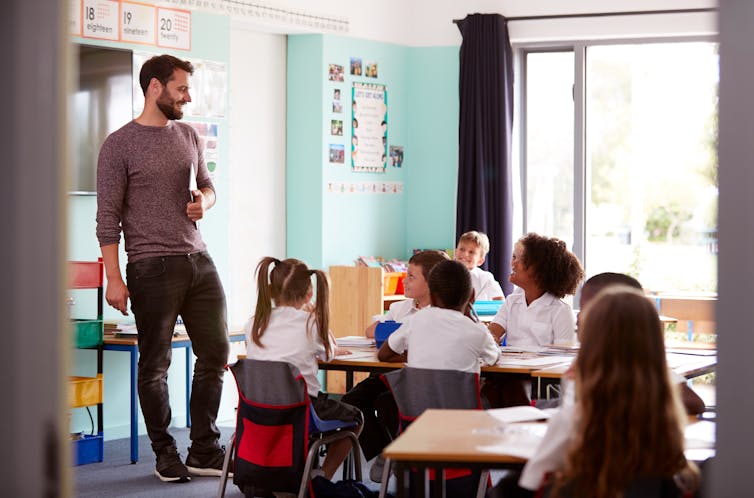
(288, 327)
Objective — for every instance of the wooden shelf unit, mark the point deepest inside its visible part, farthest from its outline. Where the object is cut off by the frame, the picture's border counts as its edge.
(356, 296)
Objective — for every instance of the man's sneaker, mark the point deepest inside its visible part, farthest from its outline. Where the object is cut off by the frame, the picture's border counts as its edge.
(209, 464)
(169, 466)
(375, 473)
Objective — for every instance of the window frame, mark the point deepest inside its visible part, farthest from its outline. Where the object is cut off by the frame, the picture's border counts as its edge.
(580, 173)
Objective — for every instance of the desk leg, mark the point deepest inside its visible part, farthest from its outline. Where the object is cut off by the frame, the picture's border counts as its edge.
(134, 407)
(188, 385)
(437, 487)
(349, 380)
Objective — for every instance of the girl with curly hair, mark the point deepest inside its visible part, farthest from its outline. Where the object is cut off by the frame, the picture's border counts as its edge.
(545, 271)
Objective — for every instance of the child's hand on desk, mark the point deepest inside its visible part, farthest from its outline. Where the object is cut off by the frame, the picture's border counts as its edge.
(341, 351)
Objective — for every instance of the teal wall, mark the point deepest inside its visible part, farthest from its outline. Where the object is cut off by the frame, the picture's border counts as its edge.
(210, 41)
(433, 135)
(327, 228)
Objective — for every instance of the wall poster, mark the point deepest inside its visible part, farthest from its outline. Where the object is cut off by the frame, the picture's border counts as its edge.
(369, 128)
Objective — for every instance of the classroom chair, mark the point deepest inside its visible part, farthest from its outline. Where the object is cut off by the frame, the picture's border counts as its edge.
(278, 435)
(418, 389)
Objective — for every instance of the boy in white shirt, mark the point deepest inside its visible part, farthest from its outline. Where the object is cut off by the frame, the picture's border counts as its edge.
(471, 250)
(414, 288)
(442, 337)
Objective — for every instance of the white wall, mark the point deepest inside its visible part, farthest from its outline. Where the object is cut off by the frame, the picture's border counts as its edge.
(257, 160)
(430, 22)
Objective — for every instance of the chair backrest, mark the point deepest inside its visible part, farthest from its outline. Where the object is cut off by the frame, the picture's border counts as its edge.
(417, 389)
(272, 426)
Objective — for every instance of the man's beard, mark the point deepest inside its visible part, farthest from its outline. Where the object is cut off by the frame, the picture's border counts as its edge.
(168, 106)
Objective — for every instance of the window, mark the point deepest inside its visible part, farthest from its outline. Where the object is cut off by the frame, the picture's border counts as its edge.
(645, 178)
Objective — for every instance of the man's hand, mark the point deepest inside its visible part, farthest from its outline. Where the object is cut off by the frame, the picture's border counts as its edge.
(117, 295)
(196, 208)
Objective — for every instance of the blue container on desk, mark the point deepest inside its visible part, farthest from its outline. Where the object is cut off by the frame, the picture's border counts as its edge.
(383, 331)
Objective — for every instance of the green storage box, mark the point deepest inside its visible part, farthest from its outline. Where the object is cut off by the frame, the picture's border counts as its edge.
(87, 333)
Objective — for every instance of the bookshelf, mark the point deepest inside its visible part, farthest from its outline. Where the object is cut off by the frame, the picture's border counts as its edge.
(356, 295)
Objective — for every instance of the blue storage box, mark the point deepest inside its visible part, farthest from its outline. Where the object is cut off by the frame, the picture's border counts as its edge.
(487, 308)
(88, 449)
(383, 331)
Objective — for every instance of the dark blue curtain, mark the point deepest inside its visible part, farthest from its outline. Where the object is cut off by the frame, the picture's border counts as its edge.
(484, 200)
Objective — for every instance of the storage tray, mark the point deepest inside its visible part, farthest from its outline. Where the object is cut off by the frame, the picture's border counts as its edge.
(85, 274)
(84, 391)
(88, 449)
(86, 333)
(392, 283)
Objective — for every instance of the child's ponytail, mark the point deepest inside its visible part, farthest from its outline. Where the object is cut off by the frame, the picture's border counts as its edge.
(322, 310)
(264, 300)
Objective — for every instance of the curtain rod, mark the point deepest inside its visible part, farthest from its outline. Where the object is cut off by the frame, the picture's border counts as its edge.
(605, 14)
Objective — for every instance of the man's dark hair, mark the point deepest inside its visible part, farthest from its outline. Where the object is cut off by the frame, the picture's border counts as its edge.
(162, 68)
(450, 285)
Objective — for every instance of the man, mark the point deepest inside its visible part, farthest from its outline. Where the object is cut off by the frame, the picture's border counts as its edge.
(153, 183)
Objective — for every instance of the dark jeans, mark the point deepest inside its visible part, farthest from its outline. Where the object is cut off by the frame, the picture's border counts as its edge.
(160, 289)
(376, 403)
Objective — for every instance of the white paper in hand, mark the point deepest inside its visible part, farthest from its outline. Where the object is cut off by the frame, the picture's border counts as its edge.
(192, 181)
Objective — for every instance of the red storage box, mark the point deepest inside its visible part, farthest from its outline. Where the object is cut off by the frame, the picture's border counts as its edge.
(85, 274)
(392, 283)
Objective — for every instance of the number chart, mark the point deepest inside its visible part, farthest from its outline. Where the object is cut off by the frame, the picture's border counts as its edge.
(131, 22)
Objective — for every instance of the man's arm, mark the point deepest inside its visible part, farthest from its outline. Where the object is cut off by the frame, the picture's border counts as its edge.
(203, 200)
(117, 292)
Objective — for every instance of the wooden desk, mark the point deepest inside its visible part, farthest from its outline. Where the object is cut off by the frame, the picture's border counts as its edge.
(365, 360)
(686, 364)
(130, 345)
(441, 439)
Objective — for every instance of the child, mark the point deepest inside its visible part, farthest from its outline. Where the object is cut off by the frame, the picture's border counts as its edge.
(297, 332)
(471, 250)
(442, 336)
(624, 398)
(414, 288)
(693, 404)
(534, 315)
(445, 339)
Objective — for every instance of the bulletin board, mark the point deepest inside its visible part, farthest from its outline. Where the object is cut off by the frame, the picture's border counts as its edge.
(369, 127)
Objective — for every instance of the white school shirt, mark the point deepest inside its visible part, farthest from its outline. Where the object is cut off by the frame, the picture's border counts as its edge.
(485, 286)
(286, 339)
(547, 320)
(552, 450)
(443, 339)
(400, 310)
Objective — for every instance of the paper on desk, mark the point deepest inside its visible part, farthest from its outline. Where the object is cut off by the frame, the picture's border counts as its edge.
(357, 355)
(354, 341)
(534, 362)
(700, 435)
(518, 414)
(127, 329)
(518, 440)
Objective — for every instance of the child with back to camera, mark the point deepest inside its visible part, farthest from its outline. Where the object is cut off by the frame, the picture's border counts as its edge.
(471, 250)
(443, 336)
(297, 332)
(597, 447)
(415, 288)
(440, 336)
(693, 404)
